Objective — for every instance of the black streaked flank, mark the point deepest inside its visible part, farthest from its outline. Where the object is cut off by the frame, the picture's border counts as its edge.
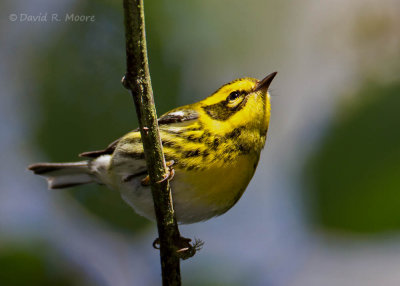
(235, 133)
(227, 158)
(243, 149)
(215, 143)
(197, 128)
(168, 143)
(192, 153)
(183, 134)
(194, 138)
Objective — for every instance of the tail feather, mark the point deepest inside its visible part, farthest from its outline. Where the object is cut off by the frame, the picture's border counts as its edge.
(63, 175)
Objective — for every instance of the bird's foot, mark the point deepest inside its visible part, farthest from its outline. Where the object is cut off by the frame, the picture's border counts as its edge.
(168, 176)
(184, 248)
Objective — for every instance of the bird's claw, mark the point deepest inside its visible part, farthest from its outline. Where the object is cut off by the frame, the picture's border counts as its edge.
(168, 176)
(170, 171)
(184, 248)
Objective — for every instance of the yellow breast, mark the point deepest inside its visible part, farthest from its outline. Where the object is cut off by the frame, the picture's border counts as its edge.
(202, 194)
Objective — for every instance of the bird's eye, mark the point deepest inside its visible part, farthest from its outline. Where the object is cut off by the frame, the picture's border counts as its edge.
(233, 95)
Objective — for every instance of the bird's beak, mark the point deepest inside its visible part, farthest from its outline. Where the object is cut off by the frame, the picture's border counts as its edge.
(265, 82)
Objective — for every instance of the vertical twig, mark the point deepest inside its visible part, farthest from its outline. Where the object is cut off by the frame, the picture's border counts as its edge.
(137, 80)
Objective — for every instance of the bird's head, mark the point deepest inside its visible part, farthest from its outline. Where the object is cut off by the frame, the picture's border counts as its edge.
(242, 103)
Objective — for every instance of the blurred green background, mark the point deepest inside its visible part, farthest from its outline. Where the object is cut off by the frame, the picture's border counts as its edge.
(354, 173)
(325, 202)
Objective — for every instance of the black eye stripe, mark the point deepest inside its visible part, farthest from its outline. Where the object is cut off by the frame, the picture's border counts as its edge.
(221, 111)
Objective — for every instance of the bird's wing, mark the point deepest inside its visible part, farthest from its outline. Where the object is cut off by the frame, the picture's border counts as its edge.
(178, 116)
(107, 151)
(174, 116)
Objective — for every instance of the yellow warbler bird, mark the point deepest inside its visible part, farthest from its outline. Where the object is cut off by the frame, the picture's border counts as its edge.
(215, 145)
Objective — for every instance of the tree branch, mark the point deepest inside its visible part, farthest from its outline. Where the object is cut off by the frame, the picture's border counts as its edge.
(137, 80)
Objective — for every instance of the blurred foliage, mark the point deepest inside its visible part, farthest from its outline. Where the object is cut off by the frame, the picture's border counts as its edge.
(36, 265)
(84, 106)
(354, 177)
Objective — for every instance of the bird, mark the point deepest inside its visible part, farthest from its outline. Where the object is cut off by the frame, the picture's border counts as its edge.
(213, 147)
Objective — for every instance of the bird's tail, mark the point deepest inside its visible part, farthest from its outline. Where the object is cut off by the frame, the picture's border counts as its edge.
(63, 175)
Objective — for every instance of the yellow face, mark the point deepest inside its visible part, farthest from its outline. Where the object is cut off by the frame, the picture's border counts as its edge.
(242, 103)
